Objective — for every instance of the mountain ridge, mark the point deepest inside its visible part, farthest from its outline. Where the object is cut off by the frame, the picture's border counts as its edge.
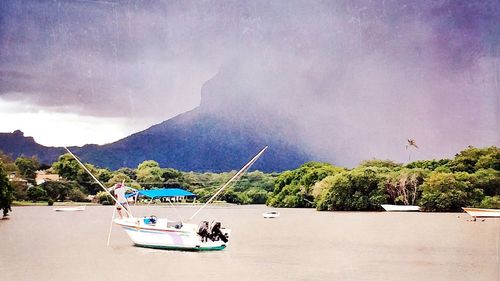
(197, 140)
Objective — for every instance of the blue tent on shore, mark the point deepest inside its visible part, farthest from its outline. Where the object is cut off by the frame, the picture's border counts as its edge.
(165, 192)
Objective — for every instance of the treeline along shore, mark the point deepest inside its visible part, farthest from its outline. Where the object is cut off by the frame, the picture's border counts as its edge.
(470, 179)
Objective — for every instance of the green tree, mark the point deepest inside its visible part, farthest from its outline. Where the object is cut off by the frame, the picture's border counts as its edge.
(358, 190)
(77, 195)
(295, 188)
(488, 180)
(428, 164)
(172, 177)
(36, 193)
(404, 186)
(59, 191)
(67, 167)
(104, 175)
(28, 167)
(104, 198)
(20, 190)
(149, 174)
(257, 196)
(8, 163)
(6, 192)
(87, 181)
(230, 196)
(129, 172)
(472, 159)
(119, 177)
(379, 163)
(490, 202)
(490, 160)
(446, 192)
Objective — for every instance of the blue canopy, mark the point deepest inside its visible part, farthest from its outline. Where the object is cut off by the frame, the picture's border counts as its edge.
(165, 192)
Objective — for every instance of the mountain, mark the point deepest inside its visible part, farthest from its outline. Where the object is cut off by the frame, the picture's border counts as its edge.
(193, 141)
(196, 141)
(222, 134)
(16, 144)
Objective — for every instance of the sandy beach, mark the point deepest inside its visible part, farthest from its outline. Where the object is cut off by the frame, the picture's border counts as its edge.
(302, 244)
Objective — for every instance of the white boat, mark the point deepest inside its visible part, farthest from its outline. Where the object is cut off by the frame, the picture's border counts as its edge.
(151, 232)
(271, 214)
(69, 209)
(156, 233)
(482, 213)
(400, 208)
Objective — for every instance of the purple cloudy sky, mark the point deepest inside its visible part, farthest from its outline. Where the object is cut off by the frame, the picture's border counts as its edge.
(357, 78)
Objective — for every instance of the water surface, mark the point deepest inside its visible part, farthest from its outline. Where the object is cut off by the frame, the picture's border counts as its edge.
(302, 244)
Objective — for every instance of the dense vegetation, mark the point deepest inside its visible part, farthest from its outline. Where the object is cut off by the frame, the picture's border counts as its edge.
(76, 184)
(471, 178)
(6, 195)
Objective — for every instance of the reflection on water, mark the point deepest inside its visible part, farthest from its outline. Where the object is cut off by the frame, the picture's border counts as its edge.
(302, 244)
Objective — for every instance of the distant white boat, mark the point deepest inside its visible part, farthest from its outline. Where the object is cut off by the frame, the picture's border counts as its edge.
(483, 213)
(271, 215)
(69, 209)
(400, 208)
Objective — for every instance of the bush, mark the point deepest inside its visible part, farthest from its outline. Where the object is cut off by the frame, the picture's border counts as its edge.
(20, 190)
(77, 195)
(257, 196)
(50, 202)
(490, 202)
(36, 193)
(404, 186)
(56, 190)
(356, 190)
(296, 188)
(445, 192)
(104, 198)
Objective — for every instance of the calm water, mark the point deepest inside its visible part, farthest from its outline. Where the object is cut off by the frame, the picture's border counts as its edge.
(40, 244)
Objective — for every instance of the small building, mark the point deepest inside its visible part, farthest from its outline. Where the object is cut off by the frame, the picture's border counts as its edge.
(43, 176)
(13, 177)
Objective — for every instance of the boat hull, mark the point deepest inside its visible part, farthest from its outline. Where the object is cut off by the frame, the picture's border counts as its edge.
(400, 208)
(69, 209)
(271, 215)
(482, 213)
(160, 236)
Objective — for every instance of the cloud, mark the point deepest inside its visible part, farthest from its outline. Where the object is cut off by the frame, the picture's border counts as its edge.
(356, 78)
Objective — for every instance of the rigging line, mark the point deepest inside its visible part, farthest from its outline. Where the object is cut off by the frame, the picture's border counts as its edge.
(100, 184)
(175, 209)
(111, 225)
(236, 176)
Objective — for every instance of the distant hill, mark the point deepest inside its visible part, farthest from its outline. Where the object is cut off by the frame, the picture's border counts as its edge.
(192, 141)
(16, 144)
(197, 141)
(220, 135)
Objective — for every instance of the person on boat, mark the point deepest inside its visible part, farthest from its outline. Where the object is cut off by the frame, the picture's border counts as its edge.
(120, 190)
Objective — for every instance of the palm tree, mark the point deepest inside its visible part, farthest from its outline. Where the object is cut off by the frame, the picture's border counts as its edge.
(411, 143)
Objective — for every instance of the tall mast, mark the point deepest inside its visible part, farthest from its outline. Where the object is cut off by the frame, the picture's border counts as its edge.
(235, 177)
(98, 182)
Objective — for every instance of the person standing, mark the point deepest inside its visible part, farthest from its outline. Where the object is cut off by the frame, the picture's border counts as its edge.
(120, 191)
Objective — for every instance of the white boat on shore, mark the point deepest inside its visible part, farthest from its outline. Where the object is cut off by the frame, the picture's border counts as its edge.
(271, 215)
(482, 213)
(69, 209)
(400, 208)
